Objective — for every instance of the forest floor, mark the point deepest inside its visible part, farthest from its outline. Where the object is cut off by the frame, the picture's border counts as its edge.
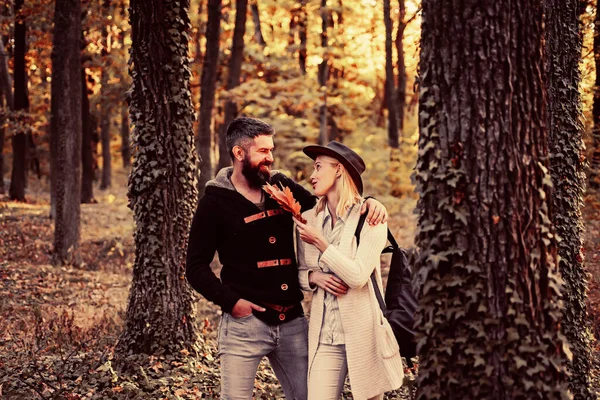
(59, 325)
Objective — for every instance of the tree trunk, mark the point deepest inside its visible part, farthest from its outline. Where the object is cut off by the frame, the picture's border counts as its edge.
(87, 148)
(105, 108)
(5, 80)
(198, 38)
(66, 129)
(162, 183)
(302, 33)
(324, 75)
(235, 72)
(389, 79)
(19, 139)
(125, 147)
(401, 92)
(489, 317)
(567, 166)
(207, 93)
(125, 140)
(2, 132)
(595, 162)
(257, 29)
(6, 102)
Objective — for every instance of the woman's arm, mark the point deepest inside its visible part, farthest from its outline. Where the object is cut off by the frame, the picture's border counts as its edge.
(353, 272)
(356, 272)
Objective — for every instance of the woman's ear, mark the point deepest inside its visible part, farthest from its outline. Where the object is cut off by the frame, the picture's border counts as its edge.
(338, 171)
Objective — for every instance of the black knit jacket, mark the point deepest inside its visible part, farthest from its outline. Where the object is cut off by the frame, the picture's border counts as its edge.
(249, 241)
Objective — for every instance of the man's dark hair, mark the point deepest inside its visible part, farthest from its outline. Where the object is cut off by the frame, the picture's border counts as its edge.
(242, 130)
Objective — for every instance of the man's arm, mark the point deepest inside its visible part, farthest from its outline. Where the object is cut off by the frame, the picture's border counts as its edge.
(202, 246)
(377, 212)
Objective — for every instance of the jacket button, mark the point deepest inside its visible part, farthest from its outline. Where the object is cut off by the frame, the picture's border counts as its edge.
(284, 286)
(272, 239)
(281, 317)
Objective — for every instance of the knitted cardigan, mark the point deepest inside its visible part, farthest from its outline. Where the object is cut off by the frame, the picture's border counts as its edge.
(374, 363)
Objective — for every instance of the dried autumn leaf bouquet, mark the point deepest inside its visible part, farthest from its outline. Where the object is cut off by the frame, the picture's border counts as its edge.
(285, 199)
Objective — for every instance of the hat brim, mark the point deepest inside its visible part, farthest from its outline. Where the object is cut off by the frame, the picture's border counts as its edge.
(313, 151)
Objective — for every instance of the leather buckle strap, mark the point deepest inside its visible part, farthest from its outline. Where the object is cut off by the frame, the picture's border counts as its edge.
(274, 263)
(278, 308)
(277, 211)
(263, 214)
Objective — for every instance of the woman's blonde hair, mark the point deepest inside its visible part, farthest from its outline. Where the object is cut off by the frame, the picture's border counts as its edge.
(347, 190)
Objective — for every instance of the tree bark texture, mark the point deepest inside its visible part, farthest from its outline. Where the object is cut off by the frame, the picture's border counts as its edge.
(66, 129)
(258, 36)
(595, 162)
(19, 139)
(105, 108)
(162, 184)
(389, 79)
(401, 66)
(567, 168)
(207, 93)
(233, 79)
(87, 145)
(489, 314)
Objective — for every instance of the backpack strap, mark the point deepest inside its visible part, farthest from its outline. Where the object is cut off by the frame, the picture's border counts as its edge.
(361, 223)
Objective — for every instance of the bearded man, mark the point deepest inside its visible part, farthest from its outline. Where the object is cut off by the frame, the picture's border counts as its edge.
(258, 290)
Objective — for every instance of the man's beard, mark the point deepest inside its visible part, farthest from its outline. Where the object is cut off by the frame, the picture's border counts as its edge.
(255, 176)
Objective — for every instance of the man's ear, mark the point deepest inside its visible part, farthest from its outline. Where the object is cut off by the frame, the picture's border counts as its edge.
(238, 153)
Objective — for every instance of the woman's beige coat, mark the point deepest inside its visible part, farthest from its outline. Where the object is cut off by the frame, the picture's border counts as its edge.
(374, 363)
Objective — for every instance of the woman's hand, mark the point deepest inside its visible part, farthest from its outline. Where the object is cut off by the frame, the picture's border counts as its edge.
(328, 282)
(311, 235)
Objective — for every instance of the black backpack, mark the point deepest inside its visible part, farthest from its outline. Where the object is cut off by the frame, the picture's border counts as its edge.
(400, 299)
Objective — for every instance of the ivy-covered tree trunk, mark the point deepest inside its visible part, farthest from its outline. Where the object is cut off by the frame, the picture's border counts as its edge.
(389, 79)
(567, 164)
(207, 93)
(105, 106)
(162, 183)
(66, 129)
(489, 315)
(595, 162)
(258, 36)
(233, 79)
(87, 156)
(16, 190)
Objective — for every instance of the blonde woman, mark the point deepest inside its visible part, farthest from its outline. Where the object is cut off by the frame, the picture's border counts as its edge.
(347, 333)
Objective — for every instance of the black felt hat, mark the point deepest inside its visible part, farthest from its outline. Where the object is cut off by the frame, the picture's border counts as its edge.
(353, 162)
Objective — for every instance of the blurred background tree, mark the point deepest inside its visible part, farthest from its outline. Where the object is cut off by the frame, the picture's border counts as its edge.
(314, 69)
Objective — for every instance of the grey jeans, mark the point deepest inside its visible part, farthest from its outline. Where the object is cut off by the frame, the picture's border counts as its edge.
(243, 342)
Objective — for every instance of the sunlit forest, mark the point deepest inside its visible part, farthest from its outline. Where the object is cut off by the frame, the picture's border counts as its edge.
(478, 124)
